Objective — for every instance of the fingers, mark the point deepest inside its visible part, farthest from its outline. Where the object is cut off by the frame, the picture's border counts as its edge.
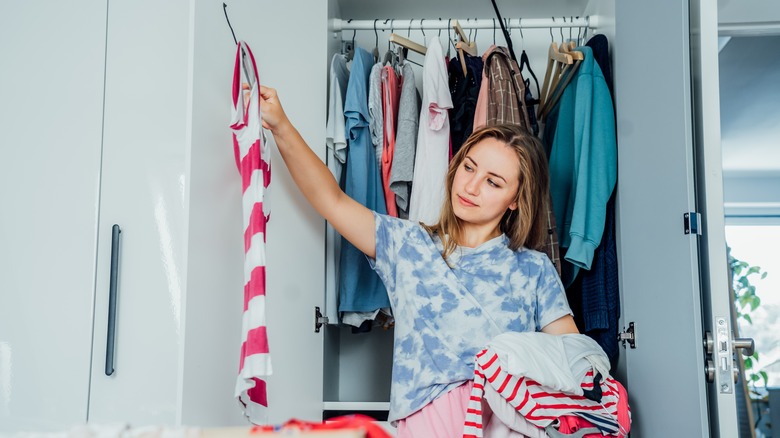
(267, 93)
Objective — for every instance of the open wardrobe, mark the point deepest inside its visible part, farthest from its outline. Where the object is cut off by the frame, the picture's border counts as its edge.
(121, 262)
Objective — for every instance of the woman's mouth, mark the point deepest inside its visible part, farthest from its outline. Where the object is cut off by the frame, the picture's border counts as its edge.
(465, 202)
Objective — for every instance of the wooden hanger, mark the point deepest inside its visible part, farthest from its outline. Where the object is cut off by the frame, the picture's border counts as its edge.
(407, 43)
(555, 58)
(568, 48)
(464, 46)
(568, 73)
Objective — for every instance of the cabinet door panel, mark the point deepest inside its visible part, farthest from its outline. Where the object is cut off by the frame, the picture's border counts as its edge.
(51, 84)
(142, 190)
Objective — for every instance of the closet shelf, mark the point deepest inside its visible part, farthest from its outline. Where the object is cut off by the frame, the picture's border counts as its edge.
(356, 406)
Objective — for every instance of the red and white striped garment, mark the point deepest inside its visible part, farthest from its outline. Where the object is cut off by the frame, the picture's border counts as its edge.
(538, 404)
(253, 161)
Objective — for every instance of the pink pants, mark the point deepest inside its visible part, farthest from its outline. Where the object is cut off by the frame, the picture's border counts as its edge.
(445, 416)
(441, 418)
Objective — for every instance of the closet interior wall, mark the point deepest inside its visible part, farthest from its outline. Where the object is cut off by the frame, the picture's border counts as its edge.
(357, 368)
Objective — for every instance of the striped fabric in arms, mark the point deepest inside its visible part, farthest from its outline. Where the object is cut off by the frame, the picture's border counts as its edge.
(253, 161)
(539, 405)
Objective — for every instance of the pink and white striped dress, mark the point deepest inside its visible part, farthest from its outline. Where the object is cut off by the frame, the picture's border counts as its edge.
(253, 161)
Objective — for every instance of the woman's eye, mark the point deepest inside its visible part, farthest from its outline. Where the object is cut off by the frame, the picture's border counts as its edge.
(492, 183)
(467, 167)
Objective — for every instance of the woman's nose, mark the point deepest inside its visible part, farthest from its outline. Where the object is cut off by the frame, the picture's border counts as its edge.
(472, 186)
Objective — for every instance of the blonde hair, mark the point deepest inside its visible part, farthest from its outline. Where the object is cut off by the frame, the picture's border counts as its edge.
(524, 226)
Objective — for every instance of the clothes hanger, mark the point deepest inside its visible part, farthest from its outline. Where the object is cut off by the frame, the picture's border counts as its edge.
(244, 62)
(464, 45)
(558, 91)
(375, 52)
(407, 43)
(390, 56)
(525, 62)
(351, 53)
(555, 59)
(568, 73)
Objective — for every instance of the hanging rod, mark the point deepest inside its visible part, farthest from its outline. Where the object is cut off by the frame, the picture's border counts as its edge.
(590, 22)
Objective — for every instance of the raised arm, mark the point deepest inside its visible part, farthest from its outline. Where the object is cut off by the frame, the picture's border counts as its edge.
(351, 219)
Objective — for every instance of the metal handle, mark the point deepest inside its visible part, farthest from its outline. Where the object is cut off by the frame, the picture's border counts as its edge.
(747, 345)
(110, 337)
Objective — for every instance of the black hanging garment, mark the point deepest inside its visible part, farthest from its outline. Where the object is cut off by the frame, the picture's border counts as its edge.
(464, 92)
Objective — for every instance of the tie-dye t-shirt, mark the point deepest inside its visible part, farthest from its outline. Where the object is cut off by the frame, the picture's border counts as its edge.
(444, 315)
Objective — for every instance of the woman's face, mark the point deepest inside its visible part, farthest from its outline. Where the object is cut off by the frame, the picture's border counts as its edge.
(486, 183)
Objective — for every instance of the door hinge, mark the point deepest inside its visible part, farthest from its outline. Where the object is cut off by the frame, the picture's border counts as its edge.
(319, 320)
(628, 336)
(692, 223)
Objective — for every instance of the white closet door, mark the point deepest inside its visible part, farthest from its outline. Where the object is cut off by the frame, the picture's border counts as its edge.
(51, 83)
(143, 191)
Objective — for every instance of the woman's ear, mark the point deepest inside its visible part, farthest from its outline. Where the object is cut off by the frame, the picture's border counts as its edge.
(513, 206)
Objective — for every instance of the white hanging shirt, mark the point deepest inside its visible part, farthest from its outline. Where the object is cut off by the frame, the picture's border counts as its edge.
(433, 139)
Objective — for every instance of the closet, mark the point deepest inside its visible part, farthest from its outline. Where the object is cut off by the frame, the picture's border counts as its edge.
(117, 113)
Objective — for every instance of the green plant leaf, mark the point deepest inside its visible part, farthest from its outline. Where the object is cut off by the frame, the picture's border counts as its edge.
(754, 377)
(748, 363)
(748, 318)
(753, 270)
(763, 275)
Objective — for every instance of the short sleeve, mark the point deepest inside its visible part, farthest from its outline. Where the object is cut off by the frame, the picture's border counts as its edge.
(390, 234)
(551, 302)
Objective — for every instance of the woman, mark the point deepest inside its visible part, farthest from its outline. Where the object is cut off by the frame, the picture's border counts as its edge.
(453, 285)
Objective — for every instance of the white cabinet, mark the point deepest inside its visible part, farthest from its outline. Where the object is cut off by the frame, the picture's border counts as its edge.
(97, 129)
(143, 191)
(51, 106)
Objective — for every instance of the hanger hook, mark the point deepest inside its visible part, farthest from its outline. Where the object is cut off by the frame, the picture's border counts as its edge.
(409, 30)
(586, 29)
(560, 29)
(354, 32)
(439, 27)
(422, 29)
(391, 31)
(506, 25)
(571, 18)
(376, 34)
(552, 38)
(494, 31)
(224, 8)
(475, 31)
(449, 36)
(522, 38)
